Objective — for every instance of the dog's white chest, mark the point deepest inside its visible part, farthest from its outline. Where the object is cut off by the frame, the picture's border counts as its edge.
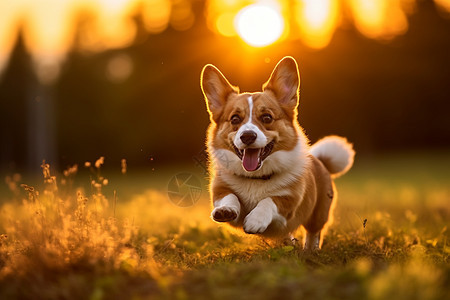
(251, 191)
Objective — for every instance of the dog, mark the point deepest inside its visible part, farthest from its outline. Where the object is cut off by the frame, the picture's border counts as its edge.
(265, 176)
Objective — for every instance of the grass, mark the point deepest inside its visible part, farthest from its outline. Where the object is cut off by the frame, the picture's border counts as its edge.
(389, 240)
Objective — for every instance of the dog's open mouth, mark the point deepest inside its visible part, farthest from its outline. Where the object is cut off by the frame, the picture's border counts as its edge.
(253, 157)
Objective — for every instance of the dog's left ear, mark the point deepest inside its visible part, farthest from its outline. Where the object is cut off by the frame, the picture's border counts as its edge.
(284, 82)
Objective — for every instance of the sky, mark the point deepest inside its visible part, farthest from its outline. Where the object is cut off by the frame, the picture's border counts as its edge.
(49, 25)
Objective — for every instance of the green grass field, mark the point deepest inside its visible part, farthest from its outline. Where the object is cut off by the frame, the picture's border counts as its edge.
(389, 240)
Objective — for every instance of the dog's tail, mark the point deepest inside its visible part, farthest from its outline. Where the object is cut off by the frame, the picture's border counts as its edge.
(336, 153)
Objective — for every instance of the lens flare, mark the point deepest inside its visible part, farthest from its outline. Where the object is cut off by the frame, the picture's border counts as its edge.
(259, 25)
(379, 19)
(317, 20)
(443, 6)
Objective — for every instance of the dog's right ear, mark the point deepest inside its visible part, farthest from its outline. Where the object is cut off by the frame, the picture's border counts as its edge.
(216, 89)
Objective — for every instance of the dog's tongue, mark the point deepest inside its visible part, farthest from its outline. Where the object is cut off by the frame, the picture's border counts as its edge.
(250, 159)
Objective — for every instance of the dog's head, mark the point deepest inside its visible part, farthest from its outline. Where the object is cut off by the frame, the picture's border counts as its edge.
(248, 129)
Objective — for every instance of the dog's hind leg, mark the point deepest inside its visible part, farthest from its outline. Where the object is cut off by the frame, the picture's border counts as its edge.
(312, 241)
(322, 215)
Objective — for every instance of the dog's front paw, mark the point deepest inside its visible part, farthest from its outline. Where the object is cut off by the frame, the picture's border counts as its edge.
(224, 214)
(256, 222)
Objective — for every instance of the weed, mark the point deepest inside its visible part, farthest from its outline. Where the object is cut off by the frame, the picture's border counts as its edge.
(389, 240)
(48, 235)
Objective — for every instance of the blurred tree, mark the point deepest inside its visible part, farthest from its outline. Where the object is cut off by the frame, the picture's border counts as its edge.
(144, 101)
(18, 87)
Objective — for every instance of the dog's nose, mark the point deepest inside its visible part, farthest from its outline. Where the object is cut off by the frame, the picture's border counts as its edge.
(248, 137)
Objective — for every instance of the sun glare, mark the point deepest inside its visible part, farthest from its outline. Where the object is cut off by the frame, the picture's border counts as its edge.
(259, 25)
(50, 26)
(317, 20)
(224, 24)
(443, 5)
(317, 12)
(379, 19)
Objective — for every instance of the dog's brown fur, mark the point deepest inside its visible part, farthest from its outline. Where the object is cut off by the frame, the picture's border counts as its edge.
(293, 185)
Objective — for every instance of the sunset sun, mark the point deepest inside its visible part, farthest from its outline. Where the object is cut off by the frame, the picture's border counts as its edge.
(259, 25)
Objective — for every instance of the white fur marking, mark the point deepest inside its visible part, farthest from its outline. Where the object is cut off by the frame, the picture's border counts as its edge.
(250, 106)
(261, 139)
(261, 216)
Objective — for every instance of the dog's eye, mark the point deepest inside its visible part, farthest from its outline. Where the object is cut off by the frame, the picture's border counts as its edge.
(266, 118)
(235, 119)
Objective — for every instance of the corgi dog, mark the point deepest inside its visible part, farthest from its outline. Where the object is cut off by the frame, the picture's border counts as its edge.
(265, 176)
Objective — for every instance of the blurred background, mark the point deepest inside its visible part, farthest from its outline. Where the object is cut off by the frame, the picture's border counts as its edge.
(81, 79)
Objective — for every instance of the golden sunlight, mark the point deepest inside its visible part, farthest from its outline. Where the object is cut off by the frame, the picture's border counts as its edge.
(259, 25)
(379, 19)
(443, 5)
(156, 15)
(51, 27)
(225, 24)
(7, 33)
(317, 20)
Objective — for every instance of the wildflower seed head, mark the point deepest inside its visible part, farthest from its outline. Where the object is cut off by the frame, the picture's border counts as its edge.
(123, 164)
(99, 162)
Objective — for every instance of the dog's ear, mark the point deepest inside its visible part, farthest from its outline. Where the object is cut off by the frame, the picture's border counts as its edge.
(284, 82)
(216, 89)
